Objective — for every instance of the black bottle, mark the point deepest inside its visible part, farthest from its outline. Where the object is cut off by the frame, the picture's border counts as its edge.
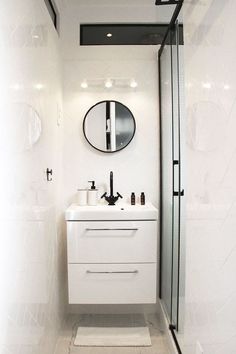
(142, 199)
(132, 198)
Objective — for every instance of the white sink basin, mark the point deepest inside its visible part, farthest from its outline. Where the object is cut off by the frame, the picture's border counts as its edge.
(114, 212)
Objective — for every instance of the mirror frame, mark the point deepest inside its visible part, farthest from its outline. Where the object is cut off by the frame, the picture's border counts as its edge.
(84, 120)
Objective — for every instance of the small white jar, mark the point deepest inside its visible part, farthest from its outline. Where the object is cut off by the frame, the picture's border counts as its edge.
(82, 197)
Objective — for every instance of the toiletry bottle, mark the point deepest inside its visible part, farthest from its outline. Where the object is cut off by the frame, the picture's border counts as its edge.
(132, 198)
(92, 194)
(142, 199)
(82, 197)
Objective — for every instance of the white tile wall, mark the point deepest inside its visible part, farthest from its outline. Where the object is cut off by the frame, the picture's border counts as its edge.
(210, 55)
(136, 167)
(32, 251)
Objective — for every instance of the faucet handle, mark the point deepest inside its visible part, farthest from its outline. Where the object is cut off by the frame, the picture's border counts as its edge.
(119, 195)
(104, 195)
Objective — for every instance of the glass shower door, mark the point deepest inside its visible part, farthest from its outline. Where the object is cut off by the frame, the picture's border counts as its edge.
(171, 190)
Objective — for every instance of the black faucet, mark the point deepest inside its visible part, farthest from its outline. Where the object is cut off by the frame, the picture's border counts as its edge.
(111, 199)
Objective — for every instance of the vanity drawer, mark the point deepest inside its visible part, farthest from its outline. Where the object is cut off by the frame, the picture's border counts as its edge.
(112, 283)
(112, 241)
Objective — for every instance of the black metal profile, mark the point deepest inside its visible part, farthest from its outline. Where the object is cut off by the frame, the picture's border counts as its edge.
(172, 330)
(167, 2)
(171, 24)
(161, 183)
(52, 10)
(179, 4)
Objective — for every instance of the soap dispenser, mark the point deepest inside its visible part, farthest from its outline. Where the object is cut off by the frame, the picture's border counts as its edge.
(92, 194)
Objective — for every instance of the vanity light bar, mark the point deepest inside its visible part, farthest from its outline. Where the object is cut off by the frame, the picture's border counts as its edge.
(109, 83)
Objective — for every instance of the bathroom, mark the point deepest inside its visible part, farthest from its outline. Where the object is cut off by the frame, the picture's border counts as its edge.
(160, 268)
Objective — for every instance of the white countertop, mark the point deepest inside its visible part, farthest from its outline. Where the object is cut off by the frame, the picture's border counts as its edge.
(119, 211)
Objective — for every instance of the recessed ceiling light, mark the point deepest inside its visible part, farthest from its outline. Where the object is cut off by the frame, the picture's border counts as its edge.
(226, 87)
(109, 35)
(133, 83)
(108, 83)
(84, 84)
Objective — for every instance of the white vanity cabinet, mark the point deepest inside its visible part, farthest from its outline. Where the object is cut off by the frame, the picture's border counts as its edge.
(112, 254)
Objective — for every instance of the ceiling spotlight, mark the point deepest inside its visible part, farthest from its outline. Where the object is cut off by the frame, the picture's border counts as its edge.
(133, 83)
(84, 84)
(109, 35)
(108, 83)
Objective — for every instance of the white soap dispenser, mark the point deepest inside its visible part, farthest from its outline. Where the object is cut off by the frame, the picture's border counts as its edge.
(92, 194)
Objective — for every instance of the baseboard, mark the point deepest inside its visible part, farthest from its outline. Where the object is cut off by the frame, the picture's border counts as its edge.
(165, 327)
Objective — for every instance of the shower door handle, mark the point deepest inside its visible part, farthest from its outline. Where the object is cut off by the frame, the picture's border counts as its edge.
(176, 193)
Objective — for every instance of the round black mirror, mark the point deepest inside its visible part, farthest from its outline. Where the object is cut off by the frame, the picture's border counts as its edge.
(109, 126)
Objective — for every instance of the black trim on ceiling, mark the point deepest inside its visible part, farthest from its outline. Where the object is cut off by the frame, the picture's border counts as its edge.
(167, 2)
(171, 26)
(123, 34)
(53, 12)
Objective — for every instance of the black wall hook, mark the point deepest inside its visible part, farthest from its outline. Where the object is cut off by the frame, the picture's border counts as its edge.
(49, 174)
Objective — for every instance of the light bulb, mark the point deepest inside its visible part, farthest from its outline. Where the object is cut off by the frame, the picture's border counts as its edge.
(206, 85)
(133, 83)
(109, 35)
(108, 83)
(39, 86)
(84, 84)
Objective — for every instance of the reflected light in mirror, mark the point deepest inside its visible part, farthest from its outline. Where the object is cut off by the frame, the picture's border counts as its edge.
(17, 87)
(206, 85)
(226, 87)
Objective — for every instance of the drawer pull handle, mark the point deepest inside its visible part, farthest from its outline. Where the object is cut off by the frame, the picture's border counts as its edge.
(112, 229)
(113, 272)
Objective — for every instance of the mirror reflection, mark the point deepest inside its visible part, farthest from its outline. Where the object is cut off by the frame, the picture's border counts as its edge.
(109, 126)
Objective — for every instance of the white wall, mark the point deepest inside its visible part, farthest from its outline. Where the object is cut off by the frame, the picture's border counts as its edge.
(210, 56)
(32, 251)
(81, 161)
(136, 168)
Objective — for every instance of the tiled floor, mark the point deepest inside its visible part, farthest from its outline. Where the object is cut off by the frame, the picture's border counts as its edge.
(66, 340)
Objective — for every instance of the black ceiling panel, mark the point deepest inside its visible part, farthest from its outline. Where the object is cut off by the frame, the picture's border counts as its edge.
(123, 34)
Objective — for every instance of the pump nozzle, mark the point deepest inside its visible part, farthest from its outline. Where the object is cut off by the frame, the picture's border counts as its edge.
(93, 184)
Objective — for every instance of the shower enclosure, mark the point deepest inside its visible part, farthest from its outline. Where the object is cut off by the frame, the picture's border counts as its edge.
(172, 191)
